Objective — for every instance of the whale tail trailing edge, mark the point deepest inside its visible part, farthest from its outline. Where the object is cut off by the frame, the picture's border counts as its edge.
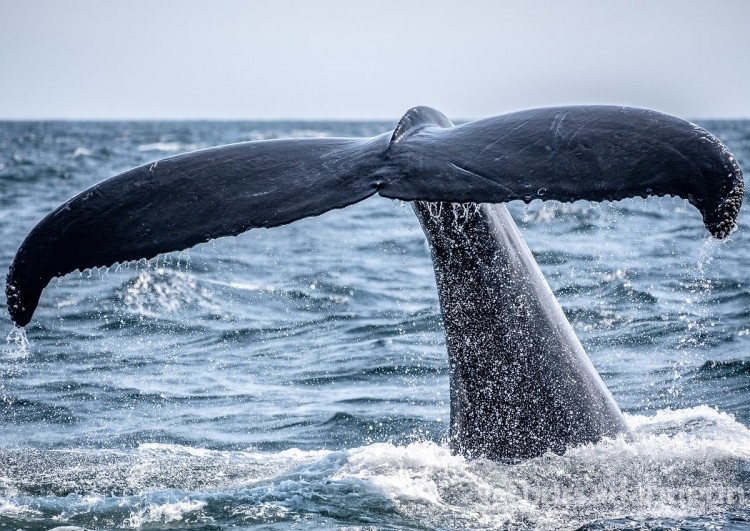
(178, 202)
(564, 153)
(597, 153)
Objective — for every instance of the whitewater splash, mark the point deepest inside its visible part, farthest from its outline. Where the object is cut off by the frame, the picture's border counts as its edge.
(678, 464)
(17, 344)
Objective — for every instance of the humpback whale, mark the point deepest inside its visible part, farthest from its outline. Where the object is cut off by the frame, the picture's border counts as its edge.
(520, 381)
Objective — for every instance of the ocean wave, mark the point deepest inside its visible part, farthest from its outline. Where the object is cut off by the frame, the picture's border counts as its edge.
(19, 410)
(725, 368)
(677, 464)
(168, 394)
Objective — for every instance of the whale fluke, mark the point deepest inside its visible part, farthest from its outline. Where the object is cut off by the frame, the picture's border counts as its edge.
(564, 153)
(521, 383)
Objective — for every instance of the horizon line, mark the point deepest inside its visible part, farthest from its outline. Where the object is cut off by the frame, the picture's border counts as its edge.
(280, 119)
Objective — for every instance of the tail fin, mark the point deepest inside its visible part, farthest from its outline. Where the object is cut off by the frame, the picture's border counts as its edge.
(564, 153)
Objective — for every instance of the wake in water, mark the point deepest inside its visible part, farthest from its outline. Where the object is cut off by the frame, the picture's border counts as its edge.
(679, 464)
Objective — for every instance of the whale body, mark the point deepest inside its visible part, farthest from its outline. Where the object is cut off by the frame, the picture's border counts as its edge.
(521, 383)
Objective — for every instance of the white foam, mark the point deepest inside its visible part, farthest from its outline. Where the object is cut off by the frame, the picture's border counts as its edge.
(164, 512)
(402, 472)
(686, 429)
(676, 464)
(167, 147)
(291, 456)
(81, 152)
(10, 508)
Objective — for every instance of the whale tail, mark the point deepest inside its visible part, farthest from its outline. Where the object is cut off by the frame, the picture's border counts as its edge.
(564, 153)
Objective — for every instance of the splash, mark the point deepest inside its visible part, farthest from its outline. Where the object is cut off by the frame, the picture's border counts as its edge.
(152, 293)
(678, 464)
(18, 343)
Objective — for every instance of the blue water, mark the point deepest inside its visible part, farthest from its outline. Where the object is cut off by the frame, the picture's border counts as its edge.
(296, 378)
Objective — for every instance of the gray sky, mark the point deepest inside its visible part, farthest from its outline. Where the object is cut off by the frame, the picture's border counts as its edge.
(233, 59)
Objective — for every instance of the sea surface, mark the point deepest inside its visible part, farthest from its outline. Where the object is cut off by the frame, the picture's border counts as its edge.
(296, 377)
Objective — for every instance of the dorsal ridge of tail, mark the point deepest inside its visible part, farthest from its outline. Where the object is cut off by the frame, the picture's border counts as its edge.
(415, 120)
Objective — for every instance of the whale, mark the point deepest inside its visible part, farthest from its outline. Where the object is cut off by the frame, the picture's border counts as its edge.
(521, 384)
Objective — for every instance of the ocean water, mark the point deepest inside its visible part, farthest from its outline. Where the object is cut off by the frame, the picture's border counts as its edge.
(296, 377)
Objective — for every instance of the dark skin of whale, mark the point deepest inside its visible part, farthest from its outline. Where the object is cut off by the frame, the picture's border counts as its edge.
(521, 384)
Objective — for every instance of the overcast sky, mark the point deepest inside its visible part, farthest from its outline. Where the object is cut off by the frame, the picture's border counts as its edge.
(351, 59)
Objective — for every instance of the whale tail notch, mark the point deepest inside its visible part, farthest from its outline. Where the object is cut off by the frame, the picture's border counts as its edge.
(597, 153)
